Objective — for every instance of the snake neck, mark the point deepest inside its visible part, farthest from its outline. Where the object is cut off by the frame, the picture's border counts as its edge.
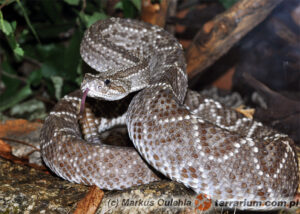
(132, 55)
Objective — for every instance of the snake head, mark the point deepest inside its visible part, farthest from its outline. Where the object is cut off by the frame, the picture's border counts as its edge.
(107, 88)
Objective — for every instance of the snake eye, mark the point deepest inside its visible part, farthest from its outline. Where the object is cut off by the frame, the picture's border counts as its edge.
(107, 81)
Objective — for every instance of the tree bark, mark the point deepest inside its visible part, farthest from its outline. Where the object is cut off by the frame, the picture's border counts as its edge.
(219, 35)
(155, 14)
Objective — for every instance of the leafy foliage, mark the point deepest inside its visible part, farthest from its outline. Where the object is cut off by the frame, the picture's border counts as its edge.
(39, 49)
(228, 3)
(130, 7)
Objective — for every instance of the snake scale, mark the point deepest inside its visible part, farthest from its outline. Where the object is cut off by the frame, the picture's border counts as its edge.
(187, 137)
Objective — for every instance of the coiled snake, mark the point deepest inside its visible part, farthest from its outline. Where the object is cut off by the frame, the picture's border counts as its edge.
(188, 138)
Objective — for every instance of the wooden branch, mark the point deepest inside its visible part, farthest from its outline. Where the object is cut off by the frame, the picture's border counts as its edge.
(155, 14)
(224, 31)
(37, 191)
(172, 9)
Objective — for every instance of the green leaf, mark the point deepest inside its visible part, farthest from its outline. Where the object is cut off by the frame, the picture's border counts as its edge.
(129, 7)
(72, 2)
(50, 31)
(18, 97)
(58, 83)
(89, 20)
(14, 25)
(35, 77)
(137, 4)
(50, 87)
(15, 46)
(45, 53)
(79, 79)
(52, 10)
(11, 84)
(28, 21)
(31, 109)
(6, 27)
(119, 5)
(228, 3)
(19, 51)
(53, 59)
(69, 86)
(72, 57)
(48, 70)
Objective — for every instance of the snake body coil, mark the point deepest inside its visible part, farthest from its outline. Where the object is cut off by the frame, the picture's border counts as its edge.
(188, 138)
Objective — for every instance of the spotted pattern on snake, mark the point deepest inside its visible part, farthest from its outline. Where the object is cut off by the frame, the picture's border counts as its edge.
(187, 137)
(81, 157)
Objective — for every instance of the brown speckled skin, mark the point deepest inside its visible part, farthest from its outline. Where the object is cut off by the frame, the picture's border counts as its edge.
(189, 138)
(88, 161)
(225, 163)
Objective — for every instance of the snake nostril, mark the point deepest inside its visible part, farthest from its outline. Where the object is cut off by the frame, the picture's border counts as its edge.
(107, 81)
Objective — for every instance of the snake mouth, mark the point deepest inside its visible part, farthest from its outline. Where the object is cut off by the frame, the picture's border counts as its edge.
(102, 96)
(82, 105)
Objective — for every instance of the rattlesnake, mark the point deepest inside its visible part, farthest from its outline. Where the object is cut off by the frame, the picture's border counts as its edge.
(185, 136)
